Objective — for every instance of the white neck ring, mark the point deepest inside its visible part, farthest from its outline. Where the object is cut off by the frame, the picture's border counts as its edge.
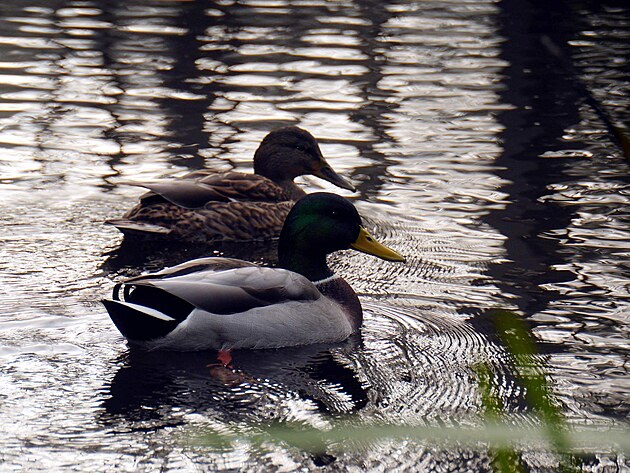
(325, 280)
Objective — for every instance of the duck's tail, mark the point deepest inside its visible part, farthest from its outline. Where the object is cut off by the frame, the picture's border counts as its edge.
(138, 323)
(132, 227)
(139, 311)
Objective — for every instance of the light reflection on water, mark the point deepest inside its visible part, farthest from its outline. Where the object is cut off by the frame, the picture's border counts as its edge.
(419, 105)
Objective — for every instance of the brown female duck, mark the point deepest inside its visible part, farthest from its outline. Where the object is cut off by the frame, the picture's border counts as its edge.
(232, 206)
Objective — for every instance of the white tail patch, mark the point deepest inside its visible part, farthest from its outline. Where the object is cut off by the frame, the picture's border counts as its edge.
(147, 310)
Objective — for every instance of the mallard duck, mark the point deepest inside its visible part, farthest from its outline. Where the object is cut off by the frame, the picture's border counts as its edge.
(222, 303)
(232, 206)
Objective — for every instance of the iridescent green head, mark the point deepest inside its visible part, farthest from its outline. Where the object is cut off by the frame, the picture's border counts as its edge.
(320, 224)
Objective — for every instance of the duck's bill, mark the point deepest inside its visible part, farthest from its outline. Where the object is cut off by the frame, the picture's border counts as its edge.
(367, 244)
(328, 174)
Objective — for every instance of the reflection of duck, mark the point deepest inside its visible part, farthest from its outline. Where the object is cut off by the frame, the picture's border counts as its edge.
(221, 303)
(148, 384)
(133, 257)
(232, 206)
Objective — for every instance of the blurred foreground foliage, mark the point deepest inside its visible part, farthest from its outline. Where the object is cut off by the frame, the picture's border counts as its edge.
(502, 437)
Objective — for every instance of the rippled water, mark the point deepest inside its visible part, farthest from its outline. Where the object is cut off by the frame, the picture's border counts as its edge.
(475, 151)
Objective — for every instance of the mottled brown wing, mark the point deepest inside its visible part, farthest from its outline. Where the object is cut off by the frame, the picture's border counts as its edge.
(199, 188)
(184, 193)
(241, 187)
(217, 221)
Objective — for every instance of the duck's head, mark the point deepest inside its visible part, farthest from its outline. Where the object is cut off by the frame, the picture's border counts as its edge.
(320, 224)
(289, 152)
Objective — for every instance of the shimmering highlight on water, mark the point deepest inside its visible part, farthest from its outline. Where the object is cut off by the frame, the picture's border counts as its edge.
(473, 154)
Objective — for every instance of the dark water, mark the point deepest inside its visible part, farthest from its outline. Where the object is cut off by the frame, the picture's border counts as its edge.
(476, 152)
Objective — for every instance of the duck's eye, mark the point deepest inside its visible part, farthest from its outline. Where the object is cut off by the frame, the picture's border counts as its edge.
(300, 147)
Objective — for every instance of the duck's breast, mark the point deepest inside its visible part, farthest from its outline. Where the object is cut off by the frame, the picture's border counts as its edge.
(338, 290)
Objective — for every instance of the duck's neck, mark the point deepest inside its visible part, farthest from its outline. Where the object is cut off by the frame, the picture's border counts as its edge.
(309, 263)
(300, 255)
(291, 190)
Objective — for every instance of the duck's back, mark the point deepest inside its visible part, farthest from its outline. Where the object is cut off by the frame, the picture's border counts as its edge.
(211, 207)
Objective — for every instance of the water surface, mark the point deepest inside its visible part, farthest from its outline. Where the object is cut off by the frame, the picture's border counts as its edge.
(475, 152)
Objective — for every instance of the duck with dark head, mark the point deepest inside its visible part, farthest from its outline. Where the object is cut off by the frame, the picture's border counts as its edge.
(204, 206)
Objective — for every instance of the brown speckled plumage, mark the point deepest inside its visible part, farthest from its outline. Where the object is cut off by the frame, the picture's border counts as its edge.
(231, 206)
(217, 221)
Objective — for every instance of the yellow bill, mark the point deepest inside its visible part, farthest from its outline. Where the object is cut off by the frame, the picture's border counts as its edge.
(367, 244)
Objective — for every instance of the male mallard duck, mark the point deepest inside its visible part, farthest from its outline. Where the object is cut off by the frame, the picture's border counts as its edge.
(222, 303)
(232, 206)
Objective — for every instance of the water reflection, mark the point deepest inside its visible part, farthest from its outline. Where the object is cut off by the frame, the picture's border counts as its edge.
(535, 125)
(134, 256)
(555, 194)
(475, 156)
(150, 384)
